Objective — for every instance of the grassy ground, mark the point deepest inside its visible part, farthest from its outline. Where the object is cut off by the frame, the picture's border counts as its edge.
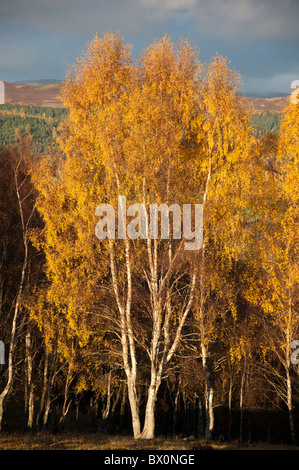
(97, 441)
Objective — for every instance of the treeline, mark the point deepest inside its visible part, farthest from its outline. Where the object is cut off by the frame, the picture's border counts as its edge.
(124, 330)
(40, 122)
(266, 122)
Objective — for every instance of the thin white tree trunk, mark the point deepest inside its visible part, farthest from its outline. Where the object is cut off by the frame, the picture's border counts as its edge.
(230, 392)
(242, 402)
(29, 385)
(288, 367)
(67, 401)
(290, 408)
(288, 370)
(24, 225)
(106, 411)
(52, 373)
(44, 390)
(209, 391)
(160, 288)
(160, 333)
(127, 337)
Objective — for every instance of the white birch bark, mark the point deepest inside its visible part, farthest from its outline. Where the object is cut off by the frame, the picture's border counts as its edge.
(127, 337)
(161, 348)
(29, 396)
(24, 225)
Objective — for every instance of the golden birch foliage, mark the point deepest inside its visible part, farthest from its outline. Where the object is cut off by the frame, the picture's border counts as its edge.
(277, 242)
(128, 133)
(225, 170)
(288, 152)
(91, 135)
(95, 90)
(163, 129)
(71, 260)
(161, 107)
(226, 165)
(288, 164)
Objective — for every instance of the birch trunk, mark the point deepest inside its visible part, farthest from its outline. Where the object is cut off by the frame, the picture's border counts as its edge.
(209, 395)
(44, 391)
(288, 368)
(158, 364)
(209, 390)
(161, 348)
(106, 411)
(288, 375)
(290, 408)
(127, 336)
(241, 402)
(67, 401)
(29, 395)
(148, 431)
(50, 382)
(24, 225)
(230, 393)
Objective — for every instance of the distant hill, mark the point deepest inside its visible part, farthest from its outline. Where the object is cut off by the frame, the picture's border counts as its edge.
(44, 93)
(259, 105)
(33, 95)
(42, 81)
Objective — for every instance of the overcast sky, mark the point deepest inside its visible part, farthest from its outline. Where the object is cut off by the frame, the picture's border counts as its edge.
(39, 38)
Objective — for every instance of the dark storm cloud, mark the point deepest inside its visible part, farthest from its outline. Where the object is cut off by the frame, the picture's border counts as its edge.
(75, 16)
(264, 19)
(259, 36)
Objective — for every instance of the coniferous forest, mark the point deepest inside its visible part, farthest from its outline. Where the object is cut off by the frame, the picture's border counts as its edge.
(137, 335)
